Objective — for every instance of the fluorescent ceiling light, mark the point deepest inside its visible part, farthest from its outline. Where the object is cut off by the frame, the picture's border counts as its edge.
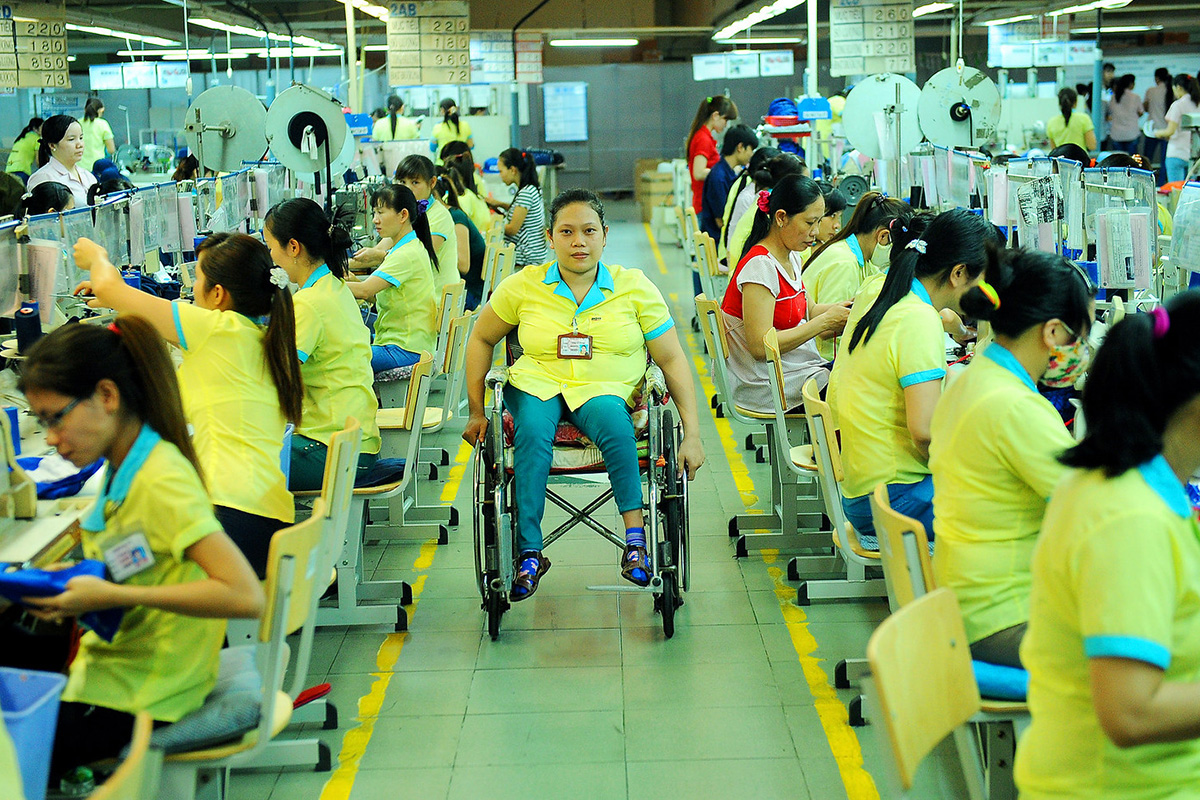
(1006, 20)
(766, 12)
(1117, 29)
(593, 42)
(1103, 5)
(242, 30)
(763, 40)
(136, 37)
(248, 52)
(376, 48)
(930, 8)
(379, 12)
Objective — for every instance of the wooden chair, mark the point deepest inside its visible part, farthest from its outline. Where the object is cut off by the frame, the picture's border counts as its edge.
(138, 775)
(712, 279)
(785, 522)
(291, 582)
(827, 456)
(924, 686)
(449, 305)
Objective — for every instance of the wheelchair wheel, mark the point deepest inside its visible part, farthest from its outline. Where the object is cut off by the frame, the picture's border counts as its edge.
(674, 506)
(481, 495)
(496, 606)
(667, 603)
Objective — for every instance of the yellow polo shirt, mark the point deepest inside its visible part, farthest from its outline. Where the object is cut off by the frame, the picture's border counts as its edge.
(229, 396)
(381, 131)
(622, 311)
(738, 237)
(444, 133)
(906, 349)
(1116, 573)
(407, 308)
(441, 224)
(1074, 131)
(834, 277)
(158, 662)
(867, 294)
(994, 456)
(477, 210)
(334, 347)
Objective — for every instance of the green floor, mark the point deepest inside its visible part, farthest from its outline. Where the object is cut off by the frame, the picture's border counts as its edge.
(582, 697)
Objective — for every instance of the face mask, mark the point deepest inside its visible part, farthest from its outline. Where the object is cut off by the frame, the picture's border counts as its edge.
(881, 258)
(1067, 363)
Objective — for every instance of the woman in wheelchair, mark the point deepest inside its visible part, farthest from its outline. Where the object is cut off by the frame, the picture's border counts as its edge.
(585, 328)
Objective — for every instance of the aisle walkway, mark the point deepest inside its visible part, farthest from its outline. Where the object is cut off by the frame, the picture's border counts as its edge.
(582, 697)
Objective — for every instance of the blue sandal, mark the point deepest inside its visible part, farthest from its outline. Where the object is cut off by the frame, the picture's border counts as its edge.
(532, 567)
(635, 565)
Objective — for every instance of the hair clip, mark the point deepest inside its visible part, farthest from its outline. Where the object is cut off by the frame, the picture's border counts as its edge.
(708, 99)
(1162, 322)
(279, 277)
(920, 245)
(764, 201)
(423, 205)
(990, 293)
(112, 326)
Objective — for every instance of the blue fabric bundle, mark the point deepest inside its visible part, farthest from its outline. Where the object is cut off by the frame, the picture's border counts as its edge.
(1001, 683)
(63, 487)
(47, 583)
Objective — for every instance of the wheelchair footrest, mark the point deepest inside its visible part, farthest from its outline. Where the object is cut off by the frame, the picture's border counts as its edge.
(628, 587)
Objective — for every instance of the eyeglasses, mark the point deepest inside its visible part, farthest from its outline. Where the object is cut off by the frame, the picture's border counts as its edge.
(1075, 337)
(52, 421)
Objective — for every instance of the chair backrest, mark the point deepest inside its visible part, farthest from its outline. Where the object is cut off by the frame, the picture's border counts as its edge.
(705, 263)
(903, 551)
(418, 392)
(685, 234)
(448, 307)
(456, 344)
(710, 262)
(137, 776)
(713, 327)
(827, 452)
(921, 670)
(506, 260)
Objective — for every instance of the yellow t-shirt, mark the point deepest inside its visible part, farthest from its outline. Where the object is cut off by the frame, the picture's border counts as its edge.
(23, 156)
(738, 237)
(622, 311)
(334, 347)
(994, 457)
(1062, 132)
(408, 307)
(381, 131)
(95, 133)
(10, 769)
(1116, 573)
(441, 224)
(477, 210)
(834, 277)
(443, 133)
(867, 294)
(907, 348)
(158, 662)
(229, 397)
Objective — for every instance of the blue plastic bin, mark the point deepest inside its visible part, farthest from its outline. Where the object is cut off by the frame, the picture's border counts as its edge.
(30, 703)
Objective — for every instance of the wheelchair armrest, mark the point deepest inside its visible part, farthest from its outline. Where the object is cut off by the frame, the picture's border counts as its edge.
(496, 378)
(656, 383)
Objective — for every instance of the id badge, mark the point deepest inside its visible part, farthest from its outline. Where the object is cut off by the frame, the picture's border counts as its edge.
(574, 345)
(129, 557)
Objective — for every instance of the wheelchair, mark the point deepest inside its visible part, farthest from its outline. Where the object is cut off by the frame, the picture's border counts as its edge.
(665, 502)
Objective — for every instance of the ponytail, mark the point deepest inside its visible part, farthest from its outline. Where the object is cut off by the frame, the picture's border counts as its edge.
(758, 162)
(512, 157)
(73, 359)
(951, 238)
(457, 156)
(243, 266)
(1067, 97)
(1189, 86)
(1030, 288)
(717, 103)
(395, 105)
(325, 238)
(399, 197)
(1146, 370)
(874, 211)
(792, 196)
(446, 187)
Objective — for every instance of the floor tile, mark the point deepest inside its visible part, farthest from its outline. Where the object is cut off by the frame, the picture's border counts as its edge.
(701, 644)
(699, 608)
(446, 614)
(564, 612)
(701, 685)
(540, 780)
(549, 689)
(691, 732)
(564, 737)
(410, 782)
(762, 779)
(523, 649)
(423, 741)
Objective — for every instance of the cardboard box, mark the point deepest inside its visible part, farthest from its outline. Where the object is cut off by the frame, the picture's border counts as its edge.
(641, 166)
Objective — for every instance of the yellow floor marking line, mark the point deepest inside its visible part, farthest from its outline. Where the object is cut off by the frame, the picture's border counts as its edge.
(354, 743)
(843, 742)
(662, 265)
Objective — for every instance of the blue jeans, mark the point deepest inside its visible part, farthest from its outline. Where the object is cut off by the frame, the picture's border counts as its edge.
(1129, 147)
(604, 419)
(1176, 169)
(391, 356)
(910, 499)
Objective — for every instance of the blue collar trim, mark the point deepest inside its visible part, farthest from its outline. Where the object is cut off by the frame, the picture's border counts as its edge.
(410, 236)
(1001, 355)
(920, 292)
(604, 283)
(318, 273)
(116, 488)
(1161, 478)
(852, 243)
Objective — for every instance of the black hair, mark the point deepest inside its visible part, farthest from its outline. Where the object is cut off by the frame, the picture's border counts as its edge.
(951, 238)
(447, 186)
(1135, 384)
(738, 134)
(415, 166)
(873, 211)
(92, 108)
(399, 197)
(1108, 66)
(512, 157)
(53, 132)
(1067, 98)
(1071, 151)
(1189, 85)
(457, 156)
(187, 169)
(32, 127)
(758, 161)
(1033, 288)
(717, 103)
(379, 113)
(242, 264)
(776, 169)
(1162, 75)
(791, 195)
(447, 104)
(45, 197)
(1122, 85)
(394, 106)
(109, 186)
(1119, 160)
(835, 200)
(570, 197)
(324, 239)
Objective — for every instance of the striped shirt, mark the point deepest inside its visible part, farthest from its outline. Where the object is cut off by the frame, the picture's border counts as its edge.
(531, 238)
